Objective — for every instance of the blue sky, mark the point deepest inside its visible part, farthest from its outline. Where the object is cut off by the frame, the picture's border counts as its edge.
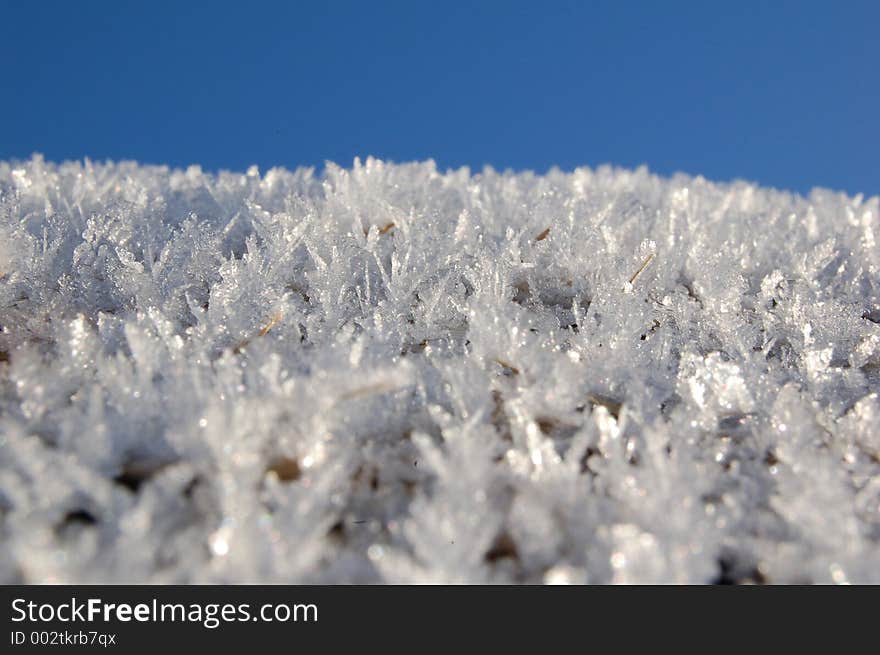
(786, 94)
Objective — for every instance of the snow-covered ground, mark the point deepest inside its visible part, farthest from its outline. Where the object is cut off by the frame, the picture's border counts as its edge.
(390, 373)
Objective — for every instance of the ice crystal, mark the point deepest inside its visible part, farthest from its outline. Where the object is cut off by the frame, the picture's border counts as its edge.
(394, 374)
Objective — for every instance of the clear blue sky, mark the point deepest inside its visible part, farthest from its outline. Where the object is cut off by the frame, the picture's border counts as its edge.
(783, 93)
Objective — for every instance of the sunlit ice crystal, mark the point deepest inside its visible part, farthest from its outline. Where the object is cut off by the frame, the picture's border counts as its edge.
(393, 373)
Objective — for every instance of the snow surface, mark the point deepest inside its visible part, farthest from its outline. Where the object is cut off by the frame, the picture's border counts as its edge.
(395, 374)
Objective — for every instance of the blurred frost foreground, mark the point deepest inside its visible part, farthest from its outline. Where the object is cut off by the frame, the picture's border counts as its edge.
(392, 374)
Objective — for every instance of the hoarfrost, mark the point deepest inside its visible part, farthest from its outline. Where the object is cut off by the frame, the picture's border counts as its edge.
(393, 374)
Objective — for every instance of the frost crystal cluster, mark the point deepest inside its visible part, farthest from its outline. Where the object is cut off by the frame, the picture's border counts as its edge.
(393, 374)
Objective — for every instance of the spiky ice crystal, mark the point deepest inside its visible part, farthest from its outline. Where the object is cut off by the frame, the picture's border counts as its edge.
(393, 374)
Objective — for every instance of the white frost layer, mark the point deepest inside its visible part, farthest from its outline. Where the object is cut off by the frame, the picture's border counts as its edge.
(394, 374)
